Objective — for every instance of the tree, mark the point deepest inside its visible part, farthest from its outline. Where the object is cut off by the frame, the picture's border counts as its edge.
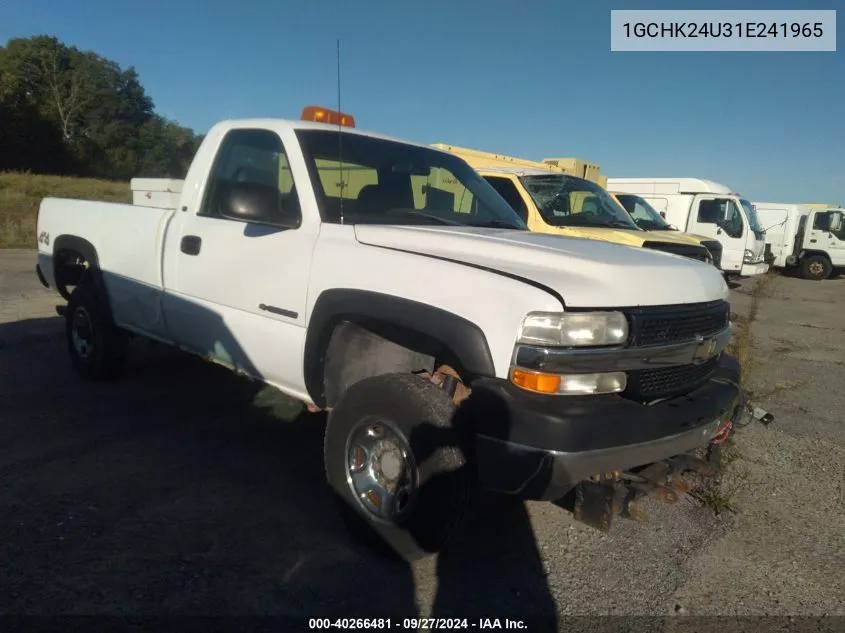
(86, 111)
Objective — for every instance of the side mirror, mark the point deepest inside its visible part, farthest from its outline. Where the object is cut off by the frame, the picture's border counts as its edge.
(663, 214)
(835, 222)
(257, 204)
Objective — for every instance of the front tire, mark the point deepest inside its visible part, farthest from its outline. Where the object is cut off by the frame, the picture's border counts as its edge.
(816, 268)
(400, 466)
(97, 348)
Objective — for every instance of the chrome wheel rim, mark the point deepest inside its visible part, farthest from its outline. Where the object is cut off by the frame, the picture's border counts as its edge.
(81, 333)
(381, 471)
(816, 268)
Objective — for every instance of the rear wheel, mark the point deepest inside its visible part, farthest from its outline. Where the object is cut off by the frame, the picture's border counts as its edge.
(815, 267)
(399, 465)
(97, 348)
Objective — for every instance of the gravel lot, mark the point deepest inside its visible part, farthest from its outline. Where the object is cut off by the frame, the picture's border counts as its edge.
(185, 490)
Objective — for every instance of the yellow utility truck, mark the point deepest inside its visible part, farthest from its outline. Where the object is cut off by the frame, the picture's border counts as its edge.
(642, 213)
(565, 199)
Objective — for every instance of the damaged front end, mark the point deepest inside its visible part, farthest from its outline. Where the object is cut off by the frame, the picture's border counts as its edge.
(598, 500)
(601, 498)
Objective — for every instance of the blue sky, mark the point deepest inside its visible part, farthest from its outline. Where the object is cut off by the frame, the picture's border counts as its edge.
(532, 79)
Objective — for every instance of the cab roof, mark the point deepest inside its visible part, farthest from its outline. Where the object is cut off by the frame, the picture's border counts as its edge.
(521, 171)
(670, 185)
(292, 124)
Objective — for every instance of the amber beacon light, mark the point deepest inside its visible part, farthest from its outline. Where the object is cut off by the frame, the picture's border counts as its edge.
(324, 115)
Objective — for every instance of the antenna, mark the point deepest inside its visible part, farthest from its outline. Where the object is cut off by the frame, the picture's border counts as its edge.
(339, 133)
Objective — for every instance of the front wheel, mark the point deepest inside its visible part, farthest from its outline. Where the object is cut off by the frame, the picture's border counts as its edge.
(815, 267)
(400, 465)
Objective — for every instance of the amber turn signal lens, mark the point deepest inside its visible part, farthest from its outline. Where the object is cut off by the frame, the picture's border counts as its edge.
(541, 383)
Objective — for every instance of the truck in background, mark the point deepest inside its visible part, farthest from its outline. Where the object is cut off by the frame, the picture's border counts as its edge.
(581, 168)
(811, 239)
(708, 208)
(551, 200)
(648, 219)
(452, 348)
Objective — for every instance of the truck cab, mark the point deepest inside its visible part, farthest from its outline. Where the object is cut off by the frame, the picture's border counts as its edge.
(551, 200)
(710, 209)
(809, 238)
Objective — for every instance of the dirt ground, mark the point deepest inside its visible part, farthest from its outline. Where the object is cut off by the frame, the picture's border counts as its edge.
(183, 489)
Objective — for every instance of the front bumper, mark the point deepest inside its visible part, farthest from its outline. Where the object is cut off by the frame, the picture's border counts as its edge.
(751, 270)
(539, 447)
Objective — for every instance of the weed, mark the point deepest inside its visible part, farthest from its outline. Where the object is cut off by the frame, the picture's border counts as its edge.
(718, 493)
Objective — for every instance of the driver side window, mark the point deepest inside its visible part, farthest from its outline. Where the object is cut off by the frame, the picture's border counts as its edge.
(722, 212)
(255, 157)
(824, 222)
(636, 210)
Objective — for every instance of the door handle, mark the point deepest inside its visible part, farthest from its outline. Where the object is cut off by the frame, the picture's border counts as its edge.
(191, 244)
(813, 241)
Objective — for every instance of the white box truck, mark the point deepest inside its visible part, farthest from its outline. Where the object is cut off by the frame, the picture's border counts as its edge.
(811, 239)
(706, 208)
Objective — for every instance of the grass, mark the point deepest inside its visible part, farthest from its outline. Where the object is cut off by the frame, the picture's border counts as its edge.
(21, 195)
(718, 493)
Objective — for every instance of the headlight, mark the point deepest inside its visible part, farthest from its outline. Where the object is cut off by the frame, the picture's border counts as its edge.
(748, 257)
(574, 329)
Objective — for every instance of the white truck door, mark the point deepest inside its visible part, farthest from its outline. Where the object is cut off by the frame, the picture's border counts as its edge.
(236, 292)
(721, 219)
(774, 221)
(827, 233)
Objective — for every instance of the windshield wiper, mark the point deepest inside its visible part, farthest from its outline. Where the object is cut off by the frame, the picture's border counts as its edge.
(614, 224)
(497, 224)
(411, 213)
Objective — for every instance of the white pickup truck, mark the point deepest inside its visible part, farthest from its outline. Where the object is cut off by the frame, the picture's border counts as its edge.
(389, 284)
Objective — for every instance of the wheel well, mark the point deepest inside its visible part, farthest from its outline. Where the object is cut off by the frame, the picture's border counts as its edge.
(365, 347)
(74, 261)
(69, 269)
(822, 254)
(406, 335)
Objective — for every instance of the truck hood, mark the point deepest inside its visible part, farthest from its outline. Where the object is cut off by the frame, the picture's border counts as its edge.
(585, 273)
(629, 237)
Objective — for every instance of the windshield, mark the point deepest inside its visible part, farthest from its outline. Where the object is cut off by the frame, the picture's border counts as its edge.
(380, 181)
(645, 215)
(751, 213)
(571, 201)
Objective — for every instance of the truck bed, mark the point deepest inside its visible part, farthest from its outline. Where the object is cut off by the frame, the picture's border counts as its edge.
(128, 240)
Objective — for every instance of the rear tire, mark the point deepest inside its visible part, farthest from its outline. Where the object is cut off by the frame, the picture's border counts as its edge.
(97, 348)
(396, 435)
(815, 268)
